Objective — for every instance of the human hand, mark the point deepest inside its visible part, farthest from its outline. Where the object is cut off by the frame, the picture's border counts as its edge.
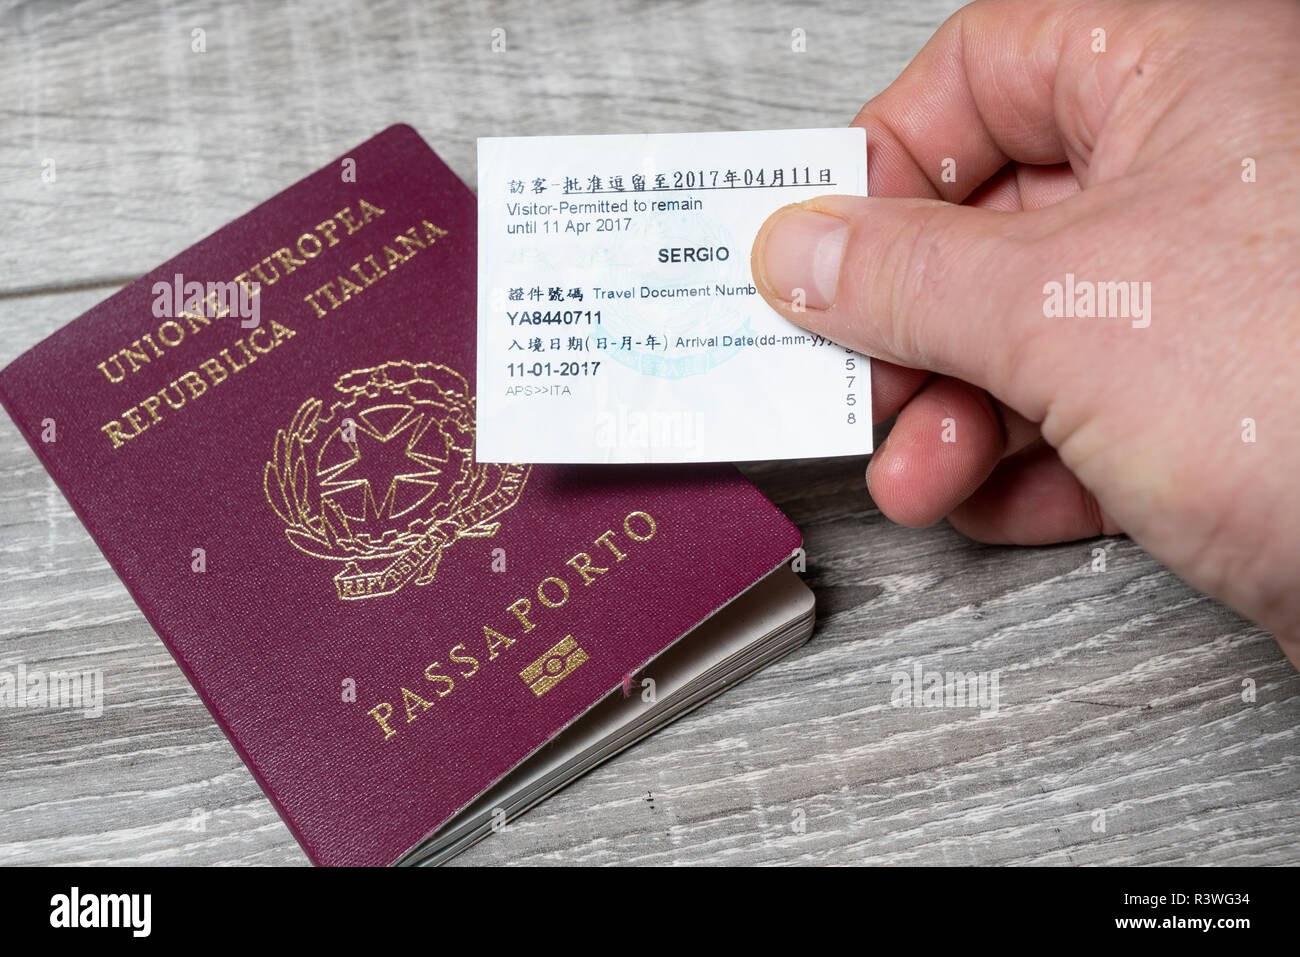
(1168, 162)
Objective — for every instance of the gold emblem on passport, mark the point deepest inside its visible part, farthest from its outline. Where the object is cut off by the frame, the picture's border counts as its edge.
(386, 479)
(553, 666)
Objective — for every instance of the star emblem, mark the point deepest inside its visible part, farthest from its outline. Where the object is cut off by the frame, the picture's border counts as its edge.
(390, 468)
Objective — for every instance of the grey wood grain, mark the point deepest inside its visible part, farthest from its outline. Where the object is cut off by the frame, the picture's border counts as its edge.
(1121, 690)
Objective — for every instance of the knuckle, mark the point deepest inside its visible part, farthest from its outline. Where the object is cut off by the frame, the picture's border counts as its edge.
(910, 276)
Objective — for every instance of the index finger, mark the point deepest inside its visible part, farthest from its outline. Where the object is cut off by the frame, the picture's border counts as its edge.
(1001, 80)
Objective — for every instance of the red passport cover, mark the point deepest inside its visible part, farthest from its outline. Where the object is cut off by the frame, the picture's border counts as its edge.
(382, 626)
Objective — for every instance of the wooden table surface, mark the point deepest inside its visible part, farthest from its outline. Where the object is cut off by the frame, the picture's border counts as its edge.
(1122, 735)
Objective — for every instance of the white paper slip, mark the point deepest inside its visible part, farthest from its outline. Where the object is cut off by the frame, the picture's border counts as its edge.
(618, 319)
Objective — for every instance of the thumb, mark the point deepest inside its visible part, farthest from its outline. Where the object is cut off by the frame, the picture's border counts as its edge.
(920, 283)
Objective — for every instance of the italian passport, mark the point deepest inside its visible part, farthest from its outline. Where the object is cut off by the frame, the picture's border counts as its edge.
(271, 438)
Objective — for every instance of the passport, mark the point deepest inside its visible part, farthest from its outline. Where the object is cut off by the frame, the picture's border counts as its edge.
(271, 439)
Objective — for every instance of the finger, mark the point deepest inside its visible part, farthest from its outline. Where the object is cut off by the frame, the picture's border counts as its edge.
(1039, 186)
(1001, 80)
(1017, 431)
(946, 442)
(1001, 193)
(1031, 499)
(919, 283)
(891, 387)
(1018, 187)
